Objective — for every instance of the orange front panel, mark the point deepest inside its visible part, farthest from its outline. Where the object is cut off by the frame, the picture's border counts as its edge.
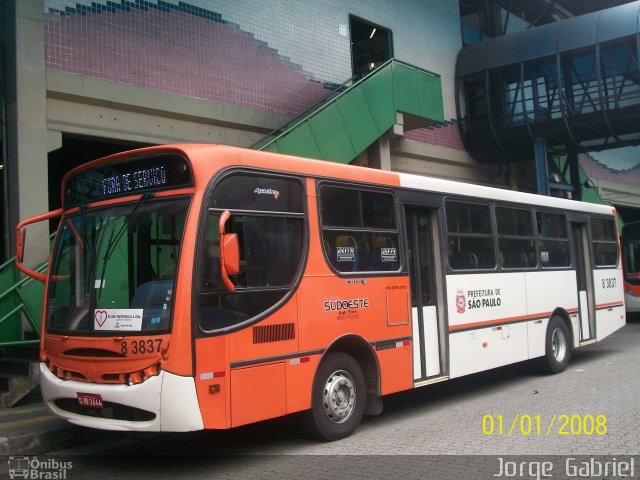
(258, 393)
(212, 381)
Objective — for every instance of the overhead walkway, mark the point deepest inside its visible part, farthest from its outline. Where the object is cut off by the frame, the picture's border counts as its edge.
(344, 126)
(574, 84)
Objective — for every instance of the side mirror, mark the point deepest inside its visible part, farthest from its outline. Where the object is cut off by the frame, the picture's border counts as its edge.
(229, 253)
(20, 241)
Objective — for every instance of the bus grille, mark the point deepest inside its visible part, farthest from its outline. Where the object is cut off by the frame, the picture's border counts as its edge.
(274, 333)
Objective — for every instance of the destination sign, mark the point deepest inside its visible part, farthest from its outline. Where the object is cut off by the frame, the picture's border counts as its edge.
(143, 174)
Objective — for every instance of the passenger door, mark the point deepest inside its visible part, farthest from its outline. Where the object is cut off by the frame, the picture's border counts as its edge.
(425, 268)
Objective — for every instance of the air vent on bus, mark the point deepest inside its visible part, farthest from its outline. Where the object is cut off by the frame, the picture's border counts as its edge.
(274, 333)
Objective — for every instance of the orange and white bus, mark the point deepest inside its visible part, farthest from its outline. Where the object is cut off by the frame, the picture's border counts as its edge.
(196, 286)
(631, 265)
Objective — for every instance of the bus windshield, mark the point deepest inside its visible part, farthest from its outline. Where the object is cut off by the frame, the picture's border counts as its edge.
(113, 268)
(631, 254)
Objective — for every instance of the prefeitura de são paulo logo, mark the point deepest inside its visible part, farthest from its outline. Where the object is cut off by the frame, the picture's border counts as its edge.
(460, 301)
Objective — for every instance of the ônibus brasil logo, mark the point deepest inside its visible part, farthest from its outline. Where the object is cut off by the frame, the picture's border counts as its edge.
(34, 468)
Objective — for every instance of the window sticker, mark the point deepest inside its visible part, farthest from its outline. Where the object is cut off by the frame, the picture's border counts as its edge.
(389, 254)
(118, 319)
(346, 254)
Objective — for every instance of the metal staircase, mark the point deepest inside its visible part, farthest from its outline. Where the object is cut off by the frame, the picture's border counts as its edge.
(20, 314)
(342, 127)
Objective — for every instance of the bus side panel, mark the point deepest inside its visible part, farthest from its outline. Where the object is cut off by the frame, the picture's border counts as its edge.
(486, 315)
(546, 291)
(212, 381)
(396, 365)
(277, 334)
(258, 393)
(479, 300)
(609, 295)
(300, 373)
(482, 349)
(332, 307)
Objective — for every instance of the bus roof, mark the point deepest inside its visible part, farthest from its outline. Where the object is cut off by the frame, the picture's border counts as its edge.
(202, 156)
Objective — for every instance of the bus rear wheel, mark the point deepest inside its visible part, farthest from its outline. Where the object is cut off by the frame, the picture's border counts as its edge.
(338, 398)
(557, 347)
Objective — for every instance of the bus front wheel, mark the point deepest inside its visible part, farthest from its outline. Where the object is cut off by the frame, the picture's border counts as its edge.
(338, 398)
(557, 347)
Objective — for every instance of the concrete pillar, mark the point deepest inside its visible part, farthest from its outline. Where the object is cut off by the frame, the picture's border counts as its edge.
(26, 109)
(379, 154)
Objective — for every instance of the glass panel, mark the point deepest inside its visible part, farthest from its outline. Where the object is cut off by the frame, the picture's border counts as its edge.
(251, 192)
(340, 207)
(362, 251)
(271, 250)
(517, 253)
(470, 253)
(554, 253)
(632, 261)
(468, 218)
(551, 225)
(114, 268)
(606, 254)
(603, 229)
(378, 210)
(514, 221)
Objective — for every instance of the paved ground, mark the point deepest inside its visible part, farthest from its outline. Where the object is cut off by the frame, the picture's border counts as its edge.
(599, 394)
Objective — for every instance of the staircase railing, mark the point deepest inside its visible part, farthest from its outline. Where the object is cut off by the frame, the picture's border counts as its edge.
(19, 298)
(263, 141)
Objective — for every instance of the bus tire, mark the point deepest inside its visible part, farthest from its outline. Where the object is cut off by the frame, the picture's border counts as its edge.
(557, 347)
(338, 398)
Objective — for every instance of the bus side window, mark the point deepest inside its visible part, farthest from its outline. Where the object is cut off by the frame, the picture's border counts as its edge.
(605, 242)
(553, 239)
(516, 244)
(470, 236)
(359, 230)
(268, 217)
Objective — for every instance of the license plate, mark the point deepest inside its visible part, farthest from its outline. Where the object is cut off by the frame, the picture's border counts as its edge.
(90, 400)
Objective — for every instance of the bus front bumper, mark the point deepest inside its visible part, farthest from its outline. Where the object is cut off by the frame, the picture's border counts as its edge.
(166, 403)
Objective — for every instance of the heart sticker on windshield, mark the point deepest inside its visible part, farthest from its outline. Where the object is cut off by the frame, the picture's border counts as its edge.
(100, 317)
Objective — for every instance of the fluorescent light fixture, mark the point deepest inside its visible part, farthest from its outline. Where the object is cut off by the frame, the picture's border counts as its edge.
(372, 33)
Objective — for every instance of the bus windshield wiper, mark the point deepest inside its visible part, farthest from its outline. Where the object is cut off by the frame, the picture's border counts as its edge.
(115, 237)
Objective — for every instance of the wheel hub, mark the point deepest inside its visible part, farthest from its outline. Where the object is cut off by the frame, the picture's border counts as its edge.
(558, 344)
(339, 396)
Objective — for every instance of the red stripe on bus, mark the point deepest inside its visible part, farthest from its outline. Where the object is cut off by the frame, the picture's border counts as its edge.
(505, 320)
(610, 304)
